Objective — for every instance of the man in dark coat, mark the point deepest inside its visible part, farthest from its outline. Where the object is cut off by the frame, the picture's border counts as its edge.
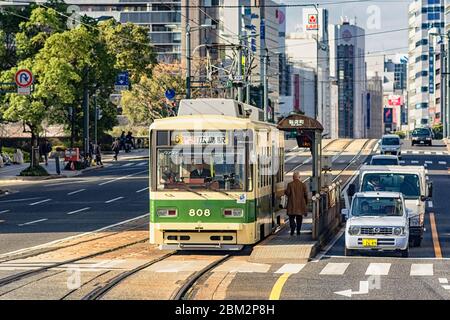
(200, 172)
(297, 203)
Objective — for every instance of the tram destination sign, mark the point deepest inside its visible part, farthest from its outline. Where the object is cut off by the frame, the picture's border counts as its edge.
(200, 138)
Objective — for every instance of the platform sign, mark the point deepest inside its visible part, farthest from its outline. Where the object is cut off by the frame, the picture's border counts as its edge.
(24, 78)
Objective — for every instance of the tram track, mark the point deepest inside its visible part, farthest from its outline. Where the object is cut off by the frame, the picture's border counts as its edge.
(29, 273)
(326, 149)
(44, 250)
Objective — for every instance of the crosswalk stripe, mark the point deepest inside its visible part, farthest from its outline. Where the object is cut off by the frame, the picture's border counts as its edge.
(402, 162)
(421, 270)
(335, 269)
(443, 163)
(291, 268)
(414, 162)
(378, 269)
(429, 162)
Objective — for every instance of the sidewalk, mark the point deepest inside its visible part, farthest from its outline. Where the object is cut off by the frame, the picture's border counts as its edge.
(12, 172)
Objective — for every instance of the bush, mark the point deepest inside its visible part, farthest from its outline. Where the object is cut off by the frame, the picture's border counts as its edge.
(401, 134)
(10, 153)
(438, 131)
(37, 171)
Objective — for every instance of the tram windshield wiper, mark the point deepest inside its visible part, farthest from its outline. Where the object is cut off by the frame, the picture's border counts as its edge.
(193, 191)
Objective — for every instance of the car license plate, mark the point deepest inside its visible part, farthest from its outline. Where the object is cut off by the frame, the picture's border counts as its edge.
(422, 142)
(370, 242)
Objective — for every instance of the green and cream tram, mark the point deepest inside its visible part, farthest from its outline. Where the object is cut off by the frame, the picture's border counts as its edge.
(216, 176)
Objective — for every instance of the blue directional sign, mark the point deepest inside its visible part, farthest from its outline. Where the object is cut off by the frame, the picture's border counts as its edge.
(170, 94)
(123, 79)
(262, 31)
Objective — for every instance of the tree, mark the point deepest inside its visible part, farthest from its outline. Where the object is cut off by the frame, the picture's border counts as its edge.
(147, 101)
(130, 45)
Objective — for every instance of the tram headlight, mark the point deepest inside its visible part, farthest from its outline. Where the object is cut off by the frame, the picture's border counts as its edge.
(170, 213)
(233, 213)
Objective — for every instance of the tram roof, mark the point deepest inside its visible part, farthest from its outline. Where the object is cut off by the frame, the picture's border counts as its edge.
(201, 122)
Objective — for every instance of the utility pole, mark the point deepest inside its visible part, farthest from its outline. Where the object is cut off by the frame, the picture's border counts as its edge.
(266, 87)
(240, 56)
(188, 61)
(86, 113)
(447, 111)
(95, 119)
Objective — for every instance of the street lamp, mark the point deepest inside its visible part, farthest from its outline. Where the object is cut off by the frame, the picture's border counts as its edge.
(188, 54)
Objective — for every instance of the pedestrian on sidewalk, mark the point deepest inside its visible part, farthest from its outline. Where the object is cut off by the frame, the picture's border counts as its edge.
(122, 141)
(116, 148)
(297, 203)
(45, 148)
(18, 156)
(98, 155)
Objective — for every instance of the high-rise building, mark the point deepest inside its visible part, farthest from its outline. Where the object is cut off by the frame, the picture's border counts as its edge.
(424, 15)
(374, 104)
(347, 57)
(311, 46)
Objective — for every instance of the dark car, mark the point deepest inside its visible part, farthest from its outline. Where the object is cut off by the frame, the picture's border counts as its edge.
(422, 136)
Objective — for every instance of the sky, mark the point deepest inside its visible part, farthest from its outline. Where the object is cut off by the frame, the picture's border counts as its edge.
(373, 16)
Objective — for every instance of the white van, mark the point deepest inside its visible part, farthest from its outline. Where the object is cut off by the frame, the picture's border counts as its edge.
(391, 144)
(410, 181)
(377, 221)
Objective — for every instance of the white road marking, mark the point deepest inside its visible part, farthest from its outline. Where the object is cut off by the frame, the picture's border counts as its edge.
(329, 246)
(39, 202)
(142, 190)
(75, 192)
(32, 222)
(363, 289)
(378, 269)
(78, 211)
(402, 162)
(128, 165)
(291, 268)
(429, 162)
(51, 243)
(20, 200)
(421, 270)
(121, 178)
(141, 164)
(113, 200)
(4, 211)
(414, 162)
(443, 163)
(446, 287)
(443, 280)
(415, 152)
(335, 269)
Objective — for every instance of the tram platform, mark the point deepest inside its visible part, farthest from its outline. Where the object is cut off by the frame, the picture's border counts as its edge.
(284, 248)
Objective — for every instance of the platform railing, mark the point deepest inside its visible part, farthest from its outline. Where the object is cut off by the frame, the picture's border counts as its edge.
(326, 211)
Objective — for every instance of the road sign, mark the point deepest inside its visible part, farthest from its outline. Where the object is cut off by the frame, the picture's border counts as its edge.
(122, 81)
(24, 91)
(262, 30)
(24, 78)
(170, 94)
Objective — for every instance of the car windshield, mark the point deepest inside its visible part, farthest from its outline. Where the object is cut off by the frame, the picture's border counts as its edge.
(421, 132)
(407, 184)
(384, 162)
(377, 207)
(390, 141)
(185, 170)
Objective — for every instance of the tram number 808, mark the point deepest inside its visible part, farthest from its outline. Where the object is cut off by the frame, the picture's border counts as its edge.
(199, 212)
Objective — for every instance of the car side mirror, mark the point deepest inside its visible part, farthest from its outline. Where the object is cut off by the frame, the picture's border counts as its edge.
(345, 213)
(351, 190)
(430, 189)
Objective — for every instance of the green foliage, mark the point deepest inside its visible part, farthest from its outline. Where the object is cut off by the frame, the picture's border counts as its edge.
(401, 134)
(36, 171)
(147, 101)
(438, 131)
(10, 153)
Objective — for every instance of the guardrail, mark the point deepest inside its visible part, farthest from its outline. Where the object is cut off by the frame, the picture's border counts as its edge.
(326, 211)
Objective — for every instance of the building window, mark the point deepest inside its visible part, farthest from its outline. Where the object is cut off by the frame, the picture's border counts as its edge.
(434, 1)
(438, 86)
(438, 72)
(438, 101)
(423, 105)
(424, 89)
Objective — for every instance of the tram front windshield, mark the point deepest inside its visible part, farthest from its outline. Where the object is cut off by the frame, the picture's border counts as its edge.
(211, 170)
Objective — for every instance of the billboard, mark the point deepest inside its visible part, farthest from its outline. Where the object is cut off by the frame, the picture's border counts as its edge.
(388, 115)
(310, 20)
(395, 101)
